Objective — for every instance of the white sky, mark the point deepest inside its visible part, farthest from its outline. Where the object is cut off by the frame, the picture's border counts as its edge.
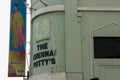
(4, 38)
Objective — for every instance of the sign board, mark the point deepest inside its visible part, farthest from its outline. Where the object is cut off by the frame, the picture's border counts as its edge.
(16, 65)
(42, 30)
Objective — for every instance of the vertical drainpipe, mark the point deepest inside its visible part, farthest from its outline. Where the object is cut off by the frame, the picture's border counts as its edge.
(31, 43)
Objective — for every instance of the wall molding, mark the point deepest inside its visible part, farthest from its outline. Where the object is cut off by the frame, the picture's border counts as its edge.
(107, 9)
(57, 8)
(47, 9)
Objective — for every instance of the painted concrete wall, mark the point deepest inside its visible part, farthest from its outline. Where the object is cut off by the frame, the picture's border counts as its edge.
(71, 34)
(89, 29)
(55, 42)
(37, 4)
(73, 41)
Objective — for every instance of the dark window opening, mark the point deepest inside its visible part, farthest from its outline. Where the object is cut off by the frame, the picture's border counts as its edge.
(106, 47)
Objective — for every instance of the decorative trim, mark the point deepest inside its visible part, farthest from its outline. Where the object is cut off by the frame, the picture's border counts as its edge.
(99, 9)
(92, 46)
(48, 9)
(61, 8)
(98, 28)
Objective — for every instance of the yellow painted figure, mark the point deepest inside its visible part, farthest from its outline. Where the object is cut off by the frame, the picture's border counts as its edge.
(17, 27)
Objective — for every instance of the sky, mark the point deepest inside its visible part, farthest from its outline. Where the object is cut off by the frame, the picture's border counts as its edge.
(4, 39)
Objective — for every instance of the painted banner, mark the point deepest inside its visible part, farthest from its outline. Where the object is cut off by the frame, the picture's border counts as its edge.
(16, 65)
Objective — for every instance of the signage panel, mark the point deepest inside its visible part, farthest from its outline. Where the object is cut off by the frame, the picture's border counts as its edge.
(16, 65)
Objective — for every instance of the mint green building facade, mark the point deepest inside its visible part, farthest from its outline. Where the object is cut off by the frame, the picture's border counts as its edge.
(63, 36)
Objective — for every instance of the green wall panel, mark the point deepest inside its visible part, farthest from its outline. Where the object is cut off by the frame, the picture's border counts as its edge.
(74, 76)
(72, 37)
(90, 23)
(55, 42)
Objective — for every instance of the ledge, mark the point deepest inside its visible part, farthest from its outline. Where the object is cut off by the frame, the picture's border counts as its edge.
(58, 8)
(40, 11)
(106, 9)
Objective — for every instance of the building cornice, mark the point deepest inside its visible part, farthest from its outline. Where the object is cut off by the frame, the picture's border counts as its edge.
(47, 9)
(107, 9)
(58, 8)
